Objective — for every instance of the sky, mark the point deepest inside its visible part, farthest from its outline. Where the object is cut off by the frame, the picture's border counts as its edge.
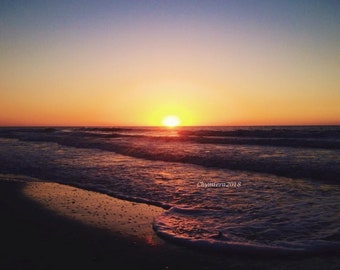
(213, 62)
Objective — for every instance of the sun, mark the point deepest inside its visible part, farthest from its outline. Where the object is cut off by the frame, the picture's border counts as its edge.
(171, 121)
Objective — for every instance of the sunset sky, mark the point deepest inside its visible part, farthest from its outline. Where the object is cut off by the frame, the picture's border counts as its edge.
(135, 62)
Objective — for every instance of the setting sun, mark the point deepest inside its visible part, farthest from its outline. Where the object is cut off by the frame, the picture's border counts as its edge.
(171, 121)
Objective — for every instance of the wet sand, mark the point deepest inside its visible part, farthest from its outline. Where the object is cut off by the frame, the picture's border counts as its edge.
(99, 210)
(52, 226)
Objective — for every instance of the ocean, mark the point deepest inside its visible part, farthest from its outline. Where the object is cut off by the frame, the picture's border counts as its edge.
(244, 189)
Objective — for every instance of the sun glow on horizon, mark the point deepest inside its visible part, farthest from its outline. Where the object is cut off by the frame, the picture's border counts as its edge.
(208, 63)
(171, 121)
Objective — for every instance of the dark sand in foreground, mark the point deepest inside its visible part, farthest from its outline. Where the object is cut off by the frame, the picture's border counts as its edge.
(52, 226)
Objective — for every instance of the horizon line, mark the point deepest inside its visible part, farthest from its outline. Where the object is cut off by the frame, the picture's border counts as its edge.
(158, 126)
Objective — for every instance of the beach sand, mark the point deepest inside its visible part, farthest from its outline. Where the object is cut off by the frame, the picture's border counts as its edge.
(51, 226)
(98, 210)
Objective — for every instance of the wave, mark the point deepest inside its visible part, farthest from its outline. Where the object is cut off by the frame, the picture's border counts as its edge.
(322, 165)
(269, 132)
(303, 137)
(280, 142)
(190, 230)
(327, 137)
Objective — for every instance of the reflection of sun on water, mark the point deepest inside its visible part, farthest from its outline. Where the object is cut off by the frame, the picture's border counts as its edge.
(171, 121)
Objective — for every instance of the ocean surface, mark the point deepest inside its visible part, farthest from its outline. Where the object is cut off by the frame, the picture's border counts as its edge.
(244, 189)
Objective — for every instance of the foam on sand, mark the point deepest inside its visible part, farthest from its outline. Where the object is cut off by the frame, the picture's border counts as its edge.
(96, 209)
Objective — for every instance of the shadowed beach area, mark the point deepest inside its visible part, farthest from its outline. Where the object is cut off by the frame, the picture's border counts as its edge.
(48, 226)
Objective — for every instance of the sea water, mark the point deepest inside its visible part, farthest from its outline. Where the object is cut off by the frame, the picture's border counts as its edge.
(244, 189)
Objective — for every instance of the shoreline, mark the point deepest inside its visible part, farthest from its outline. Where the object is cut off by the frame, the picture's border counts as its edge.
(101, 211)
(84, 228)
(42, 231)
